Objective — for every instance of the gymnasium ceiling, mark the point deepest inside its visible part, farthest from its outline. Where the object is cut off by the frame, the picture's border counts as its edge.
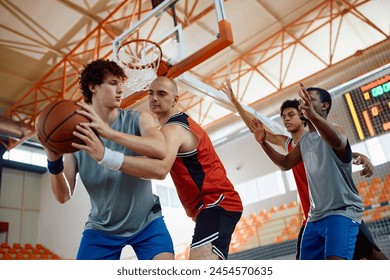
(44, 43)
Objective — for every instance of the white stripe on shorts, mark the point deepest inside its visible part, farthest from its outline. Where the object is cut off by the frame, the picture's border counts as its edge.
(206, 240)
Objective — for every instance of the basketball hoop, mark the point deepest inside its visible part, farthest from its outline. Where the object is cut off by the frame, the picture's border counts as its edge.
(140, 60)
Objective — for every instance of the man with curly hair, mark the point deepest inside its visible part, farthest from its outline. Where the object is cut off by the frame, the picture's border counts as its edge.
(124, 211)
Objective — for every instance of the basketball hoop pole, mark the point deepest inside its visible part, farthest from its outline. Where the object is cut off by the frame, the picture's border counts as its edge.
(219, 10)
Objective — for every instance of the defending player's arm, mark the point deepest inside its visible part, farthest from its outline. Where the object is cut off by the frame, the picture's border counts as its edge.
(284, 162)
(277, 139)
(332, 134)
(360, 159)
(143, 167)
(150, 168)
(151, 144)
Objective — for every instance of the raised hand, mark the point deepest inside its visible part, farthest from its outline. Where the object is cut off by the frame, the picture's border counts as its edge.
(227, 89)
(305, 103)
(258, 130)
(368, 168)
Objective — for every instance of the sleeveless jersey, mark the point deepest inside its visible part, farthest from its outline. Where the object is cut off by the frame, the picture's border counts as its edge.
(121, 204)
(199, 175)
(332, 190)
(299, 173)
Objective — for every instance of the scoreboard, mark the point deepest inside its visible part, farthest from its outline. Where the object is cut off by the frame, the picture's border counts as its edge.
(369, 106)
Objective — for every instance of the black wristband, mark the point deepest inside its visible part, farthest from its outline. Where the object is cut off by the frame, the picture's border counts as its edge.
(55, 167)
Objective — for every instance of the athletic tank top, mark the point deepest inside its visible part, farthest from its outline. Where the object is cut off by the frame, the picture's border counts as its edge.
(332, 190)
(199, 175)
(299, 173)
(121, 204)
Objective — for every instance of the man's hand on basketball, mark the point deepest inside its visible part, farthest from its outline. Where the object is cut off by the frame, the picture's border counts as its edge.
(96, 123)
(51, 155)
(93, 145)
(258, 130)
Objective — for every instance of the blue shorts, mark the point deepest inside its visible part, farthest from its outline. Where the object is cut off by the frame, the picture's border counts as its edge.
(149, 242)
(333, 235)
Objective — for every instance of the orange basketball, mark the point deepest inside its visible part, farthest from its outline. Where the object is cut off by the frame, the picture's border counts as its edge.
(162, 68)
(56, 124)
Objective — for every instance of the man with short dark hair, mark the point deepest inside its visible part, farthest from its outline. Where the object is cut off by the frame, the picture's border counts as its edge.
(289, 112)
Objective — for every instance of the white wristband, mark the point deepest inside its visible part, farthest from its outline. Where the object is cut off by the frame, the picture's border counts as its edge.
(112, 159)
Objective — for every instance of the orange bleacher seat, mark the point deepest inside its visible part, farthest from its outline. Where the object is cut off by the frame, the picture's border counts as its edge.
(7, 256)
(12, 251)
(384, 195)
(282, 207)
(24, 251)
(263, 212)
(253, 216)
(362, 187)
(28, 247)
(386, 183)
(273, 209)
(17, 246)
(279, 239)
(292, 236)
(47, 251)
(4, 245)
(21, 257)
(292, 204)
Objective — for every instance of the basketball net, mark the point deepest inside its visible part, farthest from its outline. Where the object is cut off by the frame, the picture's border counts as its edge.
(139, 60)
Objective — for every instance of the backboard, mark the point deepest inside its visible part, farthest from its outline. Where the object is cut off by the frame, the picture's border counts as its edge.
(192, 36)
(184, 46)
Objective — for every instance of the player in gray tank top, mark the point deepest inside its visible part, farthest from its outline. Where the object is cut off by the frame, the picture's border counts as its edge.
(124, 210)
(335, 205)
(120, 204)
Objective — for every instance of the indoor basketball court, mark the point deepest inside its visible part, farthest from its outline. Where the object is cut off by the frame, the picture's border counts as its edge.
(265, 48)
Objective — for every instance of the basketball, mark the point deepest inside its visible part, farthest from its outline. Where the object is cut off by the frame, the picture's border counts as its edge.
(163, 68)
(56, 124)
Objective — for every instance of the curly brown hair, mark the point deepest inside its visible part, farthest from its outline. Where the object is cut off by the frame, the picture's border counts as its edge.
(95, 72)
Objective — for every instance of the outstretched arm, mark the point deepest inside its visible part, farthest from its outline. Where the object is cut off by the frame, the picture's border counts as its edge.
(151, 168)
(360, 159)
(277, 139)
(151, 144)
(332, 134)
(284, 162)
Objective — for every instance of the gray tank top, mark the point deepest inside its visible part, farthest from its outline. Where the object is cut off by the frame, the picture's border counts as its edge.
(121, 204)
(331, 188)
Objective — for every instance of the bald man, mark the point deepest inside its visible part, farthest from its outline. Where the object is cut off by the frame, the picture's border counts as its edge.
(200, 178)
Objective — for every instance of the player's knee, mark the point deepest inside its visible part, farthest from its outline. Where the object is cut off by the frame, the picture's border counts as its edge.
(204, 252)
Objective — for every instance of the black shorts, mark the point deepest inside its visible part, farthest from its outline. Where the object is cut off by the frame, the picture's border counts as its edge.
(365, 243)
(215, 225)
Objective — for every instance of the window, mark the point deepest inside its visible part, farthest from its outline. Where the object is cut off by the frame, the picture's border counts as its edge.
(262, 188)
(27, 154)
